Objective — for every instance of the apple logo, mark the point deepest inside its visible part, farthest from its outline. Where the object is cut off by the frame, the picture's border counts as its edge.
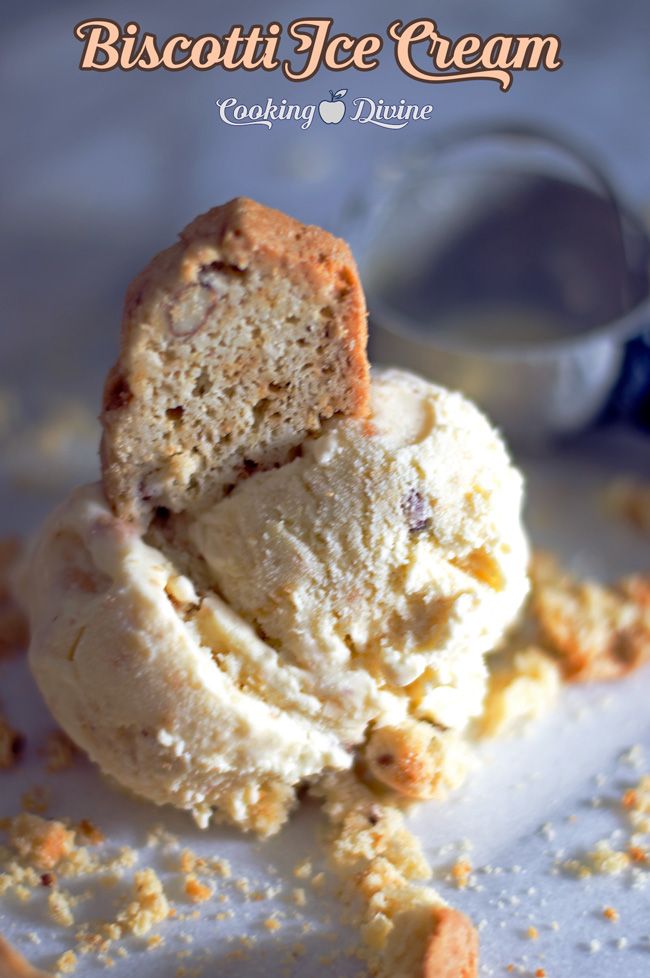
(334, 110)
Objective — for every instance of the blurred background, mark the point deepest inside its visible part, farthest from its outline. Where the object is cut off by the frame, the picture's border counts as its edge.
(100, 170)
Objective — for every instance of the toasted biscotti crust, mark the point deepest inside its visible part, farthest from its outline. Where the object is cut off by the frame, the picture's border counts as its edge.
(236, 342)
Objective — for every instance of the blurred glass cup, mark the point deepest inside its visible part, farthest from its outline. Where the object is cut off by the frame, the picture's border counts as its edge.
(499, 261)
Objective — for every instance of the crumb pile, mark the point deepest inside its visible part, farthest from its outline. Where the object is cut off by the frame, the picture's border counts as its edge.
(405, 926)
(627, 851)
(50, 855)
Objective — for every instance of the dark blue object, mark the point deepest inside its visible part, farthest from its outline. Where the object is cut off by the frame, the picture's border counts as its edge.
(630, 399)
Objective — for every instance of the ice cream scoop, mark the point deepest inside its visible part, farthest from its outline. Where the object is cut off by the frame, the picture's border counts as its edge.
(352, 590)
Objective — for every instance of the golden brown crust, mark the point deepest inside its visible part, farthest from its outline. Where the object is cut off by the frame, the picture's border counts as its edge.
(14, 965)
(236, 342)
(452, 951)
(244, 228)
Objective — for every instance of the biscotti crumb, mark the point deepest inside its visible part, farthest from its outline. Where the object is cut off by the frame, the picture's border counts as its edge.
(303, 869)
(160, 837)
(638, 854)
(66, 963)
(461, 872)
(416, 759)
(60, 908)
(221, 867)
(89, 832)
(299, 896)
(631, 856)
(196, 891)
(606, 860)
(148, 907)
(39, 841)
(187, 861)
(629, 799)
(22, 893)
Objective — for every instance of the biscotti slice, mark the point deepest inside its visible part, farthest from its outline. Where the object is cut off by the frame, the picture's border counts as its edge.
(237, 342)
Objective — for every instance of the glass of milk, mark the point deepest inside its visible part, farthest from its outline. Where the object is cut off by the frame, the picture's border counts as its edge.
(500, 261)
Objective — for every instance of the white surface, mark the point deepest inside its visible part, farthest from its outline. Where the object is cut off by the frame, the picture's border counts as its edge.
(547, 776)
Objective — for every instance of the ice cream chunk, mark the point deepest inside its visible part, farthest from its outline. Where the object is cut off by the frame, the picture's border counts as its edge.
(353, 589)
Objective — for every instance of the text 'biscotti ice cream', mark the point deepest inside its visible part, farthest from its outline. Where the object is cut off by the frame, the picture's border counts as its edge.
(337, 605)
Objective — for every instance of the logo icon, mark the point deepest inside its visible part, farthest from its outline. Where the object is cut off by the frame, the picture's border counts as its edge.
(332, 111)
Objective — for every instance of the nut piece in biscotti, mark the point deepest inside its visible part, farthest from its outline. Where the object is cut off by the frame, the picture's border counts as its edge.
(236, 342)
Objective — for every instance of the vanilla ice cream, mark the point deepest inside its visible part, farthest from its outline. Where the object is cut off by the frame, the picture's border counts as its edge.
(353, 589)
